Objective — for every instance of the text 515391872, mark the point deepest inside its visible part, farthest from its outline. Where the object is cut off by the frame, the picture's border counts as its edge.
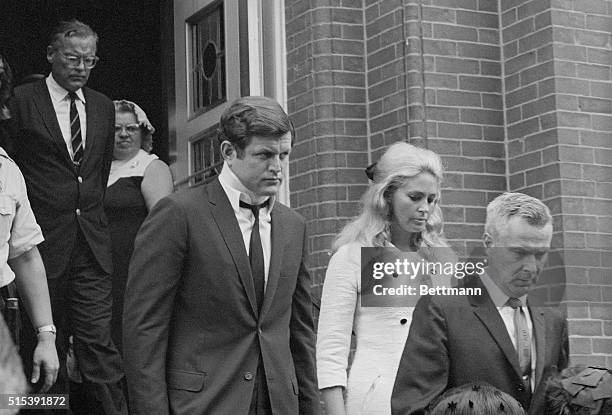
(34, 401)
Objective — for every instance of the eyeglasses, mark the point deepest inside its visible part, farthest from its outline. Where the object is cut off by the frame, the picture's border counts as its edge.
(74, 61)
(129, 128)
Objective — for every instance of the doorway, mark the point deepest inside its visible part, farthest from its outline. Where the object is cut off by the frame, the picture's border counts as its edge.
(131, 34)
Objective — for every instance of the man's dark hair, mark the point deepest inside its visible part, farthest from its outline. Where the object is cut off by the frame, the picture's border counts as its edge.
(253, 116)
(70, 28)
(6, 81)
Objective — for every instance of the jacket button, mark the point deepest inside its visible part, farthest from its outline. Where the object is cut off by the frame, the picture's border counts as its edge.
(78, 212)
(520, 388)
(80, 179)
(248, 376)
(403, 321)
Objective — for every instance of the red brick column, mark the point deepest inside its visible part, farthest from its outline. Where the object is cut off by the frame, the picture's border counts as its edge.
(327, 102)
(558, 104)
(514, 99)
(463, 108)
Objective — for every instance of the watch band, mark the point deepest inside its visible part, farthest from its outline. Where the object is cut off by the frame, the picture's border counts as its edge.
(49, 328)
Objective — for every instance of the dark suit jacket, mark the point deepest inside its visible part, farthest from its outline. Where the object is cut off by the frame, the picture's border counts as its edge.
(192, 333)
(454, 340)
(56, 189)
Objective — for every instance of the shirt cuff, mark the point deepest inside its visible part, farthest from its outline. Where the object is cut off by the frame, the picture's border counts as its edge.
(25, 246)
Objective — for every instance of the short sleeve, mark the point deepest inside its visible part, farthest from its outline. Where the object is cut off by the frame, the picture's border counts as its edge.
(25, 232)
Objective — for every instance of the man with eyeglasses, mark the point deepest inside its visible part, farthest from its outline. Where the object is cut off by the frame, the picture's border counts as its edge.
(64, 146)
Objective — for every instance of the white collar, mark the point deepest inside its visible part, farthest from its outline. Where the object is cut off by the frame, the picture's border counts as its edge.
(58, 92)
(236, 191)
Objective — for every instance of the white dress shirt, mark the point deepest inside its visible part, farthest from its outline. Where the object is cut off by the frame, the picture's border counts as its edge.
(506, 312)
(236, 191)
(61, 105)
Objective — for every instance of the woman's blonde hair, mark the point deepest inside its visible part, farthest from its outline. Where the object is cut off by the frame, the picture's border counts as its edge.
(401, 161)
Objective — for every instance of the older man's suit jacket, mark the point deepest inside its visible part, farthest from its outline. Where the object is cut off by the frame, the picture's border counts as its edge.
(192, 331)
(454, 340)
(63, 198)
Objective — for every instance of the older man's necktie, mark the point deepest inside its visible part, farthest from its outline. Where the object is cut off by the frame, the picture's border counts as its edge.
(256, 257)
(76, 140)
(523, 341)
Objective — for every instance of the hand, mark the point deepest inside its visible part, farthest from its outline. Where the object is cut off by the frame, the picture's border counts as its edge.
(45, 358)
(5, 114)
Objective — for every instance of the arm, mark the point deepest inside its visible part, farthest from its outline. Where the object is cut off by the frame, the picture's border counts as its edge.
(155, 271)
(333, 400)
(338, 302)
(32, 285)
(423, 371)
(156, 183)
(109, 147)
(25, 261)
(302, 339)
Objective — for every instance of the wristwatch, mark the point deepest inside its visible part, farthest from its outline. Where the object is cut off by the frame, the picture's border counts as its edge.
(49, 328)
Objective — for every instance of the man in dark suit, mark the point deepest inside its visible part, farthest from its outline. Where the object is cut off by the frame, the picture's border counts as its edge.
(64, 145)
(218, 313)
(498, 336)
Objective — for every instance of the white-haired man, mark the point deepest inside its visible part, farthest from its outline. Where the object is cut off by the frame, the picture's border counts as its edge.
(498, 337)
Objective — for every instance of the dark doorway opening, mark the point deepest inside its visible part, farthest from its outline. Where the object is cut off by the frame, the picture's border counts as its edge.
(130, 48)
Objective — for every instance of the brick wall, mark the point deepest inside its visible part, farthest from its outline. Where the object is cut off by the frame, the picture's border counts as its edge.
(386, 74)
(326, 90)
(529, 96)
(433, 72)
(463, 109)
(557, 73)
(513, 98)
(583, 90)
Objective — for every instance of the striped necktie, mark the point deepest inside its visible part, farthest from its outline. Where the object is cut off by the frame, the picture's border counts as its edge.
(76, 140)
(523, 341)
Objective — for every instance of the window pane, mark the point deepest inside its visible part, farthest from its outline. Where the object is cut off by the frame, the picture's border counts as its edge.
(208, 75)
(206, 156)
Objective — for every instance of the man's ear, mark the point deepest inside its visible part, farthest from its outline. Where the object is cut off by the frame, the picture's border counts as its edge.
(487, 239)
(50, 51)
(228, 152)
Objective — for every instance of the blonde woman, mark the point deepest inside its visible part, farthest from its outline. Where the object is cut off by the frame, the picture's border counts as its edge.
(400, 210)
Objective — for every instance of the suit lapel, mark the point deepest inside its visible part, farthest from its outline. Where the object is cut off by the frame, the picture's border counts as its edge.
(47, 112)
(488, 314)
(278, 244)
(223, 215)
(539, 328)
